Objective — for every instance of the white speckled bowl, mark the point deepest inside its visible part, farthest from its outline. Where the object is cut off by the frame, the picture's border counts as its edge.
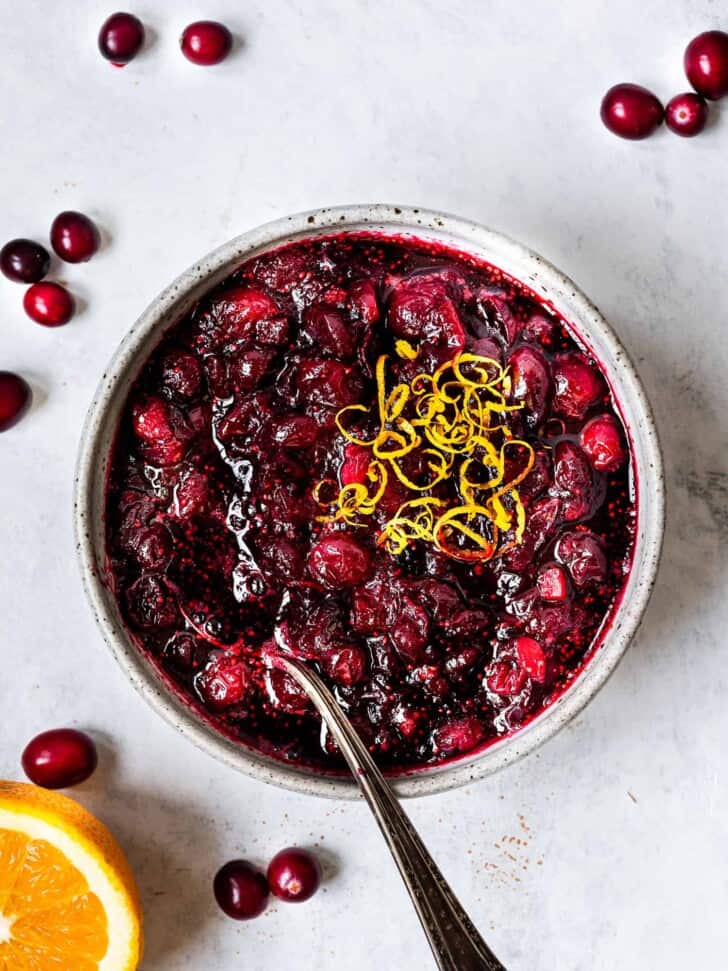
(174, 302)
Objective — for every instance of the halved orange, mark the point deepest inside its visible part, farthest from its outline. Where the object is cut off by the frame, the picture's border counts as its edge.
(68, 900)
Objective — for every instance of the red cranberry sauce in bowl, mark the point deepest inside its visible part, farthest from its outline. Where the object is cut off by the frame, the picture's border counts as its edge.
(387, 458)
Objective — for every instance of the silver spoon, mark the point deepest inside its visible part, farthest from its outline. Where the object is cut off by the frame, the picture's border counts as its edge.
(455, 942)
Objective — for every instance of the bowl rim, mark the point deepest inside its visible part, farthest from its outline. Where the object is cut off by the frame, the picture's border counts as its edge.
(174, 300)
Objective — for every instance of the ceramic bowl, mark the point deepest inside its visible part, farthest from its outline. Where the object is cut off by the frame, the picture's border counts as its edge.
(175, 301)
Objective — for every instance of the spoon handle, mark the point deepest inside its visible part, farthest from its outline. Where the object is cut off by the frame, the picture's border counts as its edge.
(455, 942)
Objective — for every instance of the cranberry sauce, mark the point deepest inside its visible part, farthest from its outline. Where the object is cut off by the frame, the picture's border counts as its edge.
(282, 482)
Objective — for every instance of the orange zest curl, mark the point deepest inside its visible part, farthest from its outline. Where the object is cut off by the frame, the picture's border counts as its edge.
(452, 423)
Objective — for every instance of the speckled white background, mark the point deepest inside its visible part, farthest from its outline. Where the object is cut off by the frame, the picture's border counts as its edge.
(608, 848)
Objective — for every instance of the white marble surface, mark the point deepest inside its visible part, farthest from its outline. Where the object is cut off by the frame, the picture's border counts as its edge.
(606, 849)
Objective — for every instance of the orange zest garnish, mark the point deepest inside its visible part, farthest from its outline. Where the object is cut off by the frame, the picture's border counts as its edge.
(446, 426)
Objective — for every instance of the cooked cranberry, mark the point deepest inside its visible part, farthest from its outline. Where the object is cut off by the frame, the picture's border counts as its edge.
(121, 38)
(410, 632)
(577, 385)
(505, 679)
(181, 374)
(295, 431)
(601, 439)
(339, 561)
(285, 693)
(347, 666)
(181, 650)
(24, 261)
(686, 114)
(223, 682)
(153, 547)
(583, 554)
(48, 304)
(152, 602)
(241, 891)
(206, 42)
(74, 237)
(551, 583)
(531, 658)
(151, 420)
(363, 302)
(59, 758)
(458, 735)
(422, 309)
(706, 64)
(248, 368)
(573, 480)
(294, 875)
(631, 111)
(327, 382)
(326, 329)
(531, 381)
(15, 399)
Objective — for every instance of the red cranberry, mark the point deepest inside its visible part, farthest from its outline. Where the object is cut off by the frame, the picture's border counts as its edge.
(223, 682)
(531, 658)
(24, 261)
(285, 693)
(60, 758)
(152, 602)
(631, 111)
(363, 302)
(339, 561)
(577, 385)
(74, 237)
(121, 38)
(551, 583)
(151, 420)
(206, 42)
(573, 480)
(48, 304)
(458, 735)
(706, 64)
(15, 398)
(347, 666)
(294, 875)
(531, 381)
(601, 439)
(294, 431)
(583, 554)
(181, 374)
(504, 678)
(240, 890)
(686, 114)
(326, 329)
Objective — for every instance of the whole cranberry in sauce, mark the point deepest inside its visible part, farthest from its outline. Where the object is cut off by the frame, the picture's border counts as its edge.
(206, 42)
(60, 758)
(74, 237)
(631, 111)
(294, 875)
(121, 38)
(706, 64)
(24, 261)
(15, 399)
(48, 304)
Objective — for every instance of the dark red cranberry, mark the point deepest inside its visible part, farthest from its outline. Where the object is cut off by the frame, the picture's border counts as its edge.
(294, 875)
(347, 666)
(458, 735)
(59, 758)
(531, 381)
(285, 693)
(121, 38)
(339, 561)
(206, 42)
(531, 658)
(326, 329)
(181, 374)
(573, 480)
(152, 602)
(505, 678)
(551, 583)
(577, 385)
(686, 114)
(241, 891)
(601, 439)
(151, 420)
(294, 431)
(706, 64)
(24, 261)
(74, 237)
(48, 304)
(631, 111)
(583, 554)
(15, 399)
(223, 682)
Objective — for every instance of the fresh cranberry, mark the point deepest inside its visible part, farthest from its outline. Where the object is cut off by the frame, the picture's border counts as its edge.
(601, 439)
(241, 891)
(181, 374)
(74, 237)
(206, 42)
(531, 381)
(24, 261)
(48, 304)
(121, 38)
(577, 385)
(631, 111)
(339, 561)
(551, 583)
(686, 114)
(223, 682)
(583, 554)
(294, 875)
(15, 399)
(706, 64)
(531, 658)
(59, 758)
(458, 735)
